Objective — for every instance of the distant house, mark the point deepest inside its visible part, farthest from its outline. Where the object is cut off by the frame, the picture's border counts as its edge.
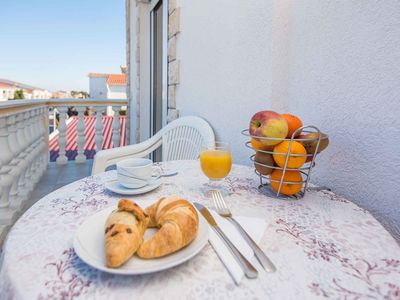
(6, 91)
(8, 87)
(61, 95)
(108, 86)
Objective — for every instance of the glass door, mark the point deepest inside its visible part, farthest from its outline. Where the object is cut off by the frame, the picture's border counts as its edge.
(158, 93)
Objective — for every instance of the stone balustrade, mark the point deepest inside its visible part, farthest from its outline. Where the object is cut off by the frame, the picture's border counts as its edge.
(24, 146)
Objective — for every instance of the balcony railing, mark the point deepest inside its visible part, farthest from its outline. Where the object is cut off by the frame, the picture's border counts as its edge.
(24, 144)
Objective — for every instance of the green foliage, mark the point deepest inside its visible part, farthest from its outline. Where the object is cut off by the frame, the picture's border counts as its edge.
(76, 93)
(18, 94)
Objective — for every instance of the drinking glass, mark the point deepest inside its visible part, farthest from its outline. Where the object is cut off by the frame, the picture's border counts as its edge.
(216, 163)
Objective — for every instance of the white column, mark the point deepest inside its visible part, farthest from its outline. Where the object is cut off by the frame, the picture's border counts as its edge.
(116, 125)
(98, 127)
(62, 136)
(81, 158)
(109, 111)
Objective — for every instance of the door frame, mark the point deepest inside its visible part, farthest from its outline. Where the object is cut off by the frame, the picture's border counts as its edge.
(153, 4)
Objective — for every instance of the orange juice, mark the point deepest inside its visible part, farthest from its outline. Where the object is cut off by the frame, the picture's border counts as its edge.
(216, 164)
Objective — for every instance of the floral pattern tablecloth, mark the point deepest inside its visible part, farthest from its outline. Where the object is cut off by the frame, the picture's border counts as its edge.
(323, 246)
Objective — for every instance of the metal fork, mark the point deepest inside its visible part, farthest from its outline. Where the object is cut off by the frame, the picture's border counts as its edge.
(223, 211)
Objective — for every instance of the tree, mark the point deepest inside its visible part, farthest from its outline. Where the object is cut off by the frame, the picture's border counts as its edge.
(79, 94)
(19, 94)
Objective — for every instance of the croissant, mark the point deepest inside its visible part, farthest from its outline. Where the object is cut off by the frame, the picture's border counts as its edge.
(178, 222)
(124, 231)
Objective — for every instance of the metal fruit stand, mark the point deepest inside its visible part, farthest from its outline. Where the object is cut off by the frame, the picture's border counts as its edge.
(305, 170)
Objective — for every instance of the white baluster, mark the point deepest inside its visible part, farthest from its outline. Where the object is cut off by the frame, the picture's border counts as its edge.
(16, 169)
(35, 145)
(35, 165)
(62, 136)
(29, 174)
(5, 177)
(81, 158)
(22, 188)
(127, 125)
(99, 127)
(45, 139)
(116, 125)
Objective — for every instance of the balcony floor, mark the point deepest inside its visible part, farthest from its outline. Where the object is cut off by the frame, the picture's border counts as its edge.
(57, 176)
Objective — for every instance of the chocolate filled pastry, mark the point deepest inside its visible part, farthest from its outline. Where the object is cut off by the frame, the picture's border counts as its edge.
(124, 232)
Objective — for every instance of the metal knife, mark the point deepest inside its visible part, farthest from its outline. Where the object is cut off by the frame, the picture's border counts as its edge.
(246, 266)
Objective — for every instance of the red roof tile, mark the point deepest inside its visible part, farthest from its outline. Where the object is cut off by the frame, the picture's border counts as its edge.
(112, 79)
(3, 84)
(116, 79)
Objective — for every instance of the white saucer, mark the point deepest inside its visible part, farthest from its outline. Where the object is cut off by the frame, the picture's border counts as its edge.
(116, 187)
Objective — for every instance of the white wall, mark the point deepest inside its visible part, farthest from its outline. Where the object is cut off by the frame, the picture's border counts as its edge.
(132, 67)
(144, 71)
(336, 64)
(98, 87)
(4, 94)
(225, 54)
(116, 92)
(345, 77)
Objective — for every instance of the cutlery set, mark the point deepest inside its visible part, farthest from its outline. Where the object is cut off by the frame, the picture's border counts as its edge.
(223, 210)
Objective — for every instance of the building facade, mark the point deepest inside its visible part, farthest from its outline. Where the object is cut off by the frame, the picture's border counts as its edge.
(8, 88)
(6, 91)
(334, 64)
(107, 86)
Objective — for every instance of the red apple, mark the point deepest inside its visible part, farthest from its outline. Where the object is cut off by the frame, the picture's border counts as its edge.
(268, 124)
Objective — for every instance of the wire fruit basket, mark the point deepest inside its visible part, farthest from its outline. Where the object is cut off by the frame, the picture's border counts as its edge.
(273, 187)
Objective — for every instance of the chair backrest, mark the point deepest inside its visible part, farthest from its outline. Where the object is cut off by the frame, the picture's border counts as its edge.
(180, 139)
(184, 137)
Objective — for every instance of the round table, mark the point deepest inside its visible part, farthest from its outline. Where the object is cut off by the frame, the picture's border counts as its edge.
(323, 246)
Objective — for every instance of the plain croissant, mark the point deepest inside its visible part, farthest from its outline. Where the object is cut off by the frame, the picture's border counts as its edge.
(178, 222)
(124, 231)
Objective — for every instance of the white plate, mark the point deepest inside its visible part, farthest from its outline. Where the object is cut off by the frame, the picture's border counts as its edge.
(89, 246)
(116, 187)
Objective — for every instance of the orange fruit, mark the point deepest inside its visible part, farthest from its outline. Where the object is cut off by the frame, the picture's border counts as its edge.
(294, 123)
(295, 161)
(257, 145)
(287, 188)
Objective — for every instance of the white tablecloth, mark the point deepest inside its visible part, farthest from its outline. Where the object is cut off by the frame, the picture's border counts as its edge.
(323, 246)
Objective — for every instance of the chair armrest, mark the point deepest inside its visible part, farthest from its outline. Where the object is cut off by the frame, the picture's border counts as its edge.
(106, 158)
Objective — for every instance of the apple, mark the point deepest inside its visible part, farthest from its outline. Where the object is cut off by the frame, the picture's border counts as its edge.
(268, 124)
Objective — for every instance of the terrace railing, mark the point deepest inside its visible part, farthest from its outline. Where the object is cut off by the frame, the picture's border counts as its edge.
(24, 145)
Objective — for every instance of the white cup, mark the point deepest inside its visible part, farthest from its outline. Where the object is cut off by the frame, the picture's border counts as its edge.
(135, 173)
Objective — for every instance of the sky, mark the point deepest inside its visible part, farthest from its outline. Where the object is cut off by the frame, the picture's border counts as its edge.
(54, 44)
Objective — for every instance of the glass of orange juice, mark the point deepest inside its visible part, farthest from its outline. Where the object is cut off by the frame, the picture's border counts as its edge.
(216, 162)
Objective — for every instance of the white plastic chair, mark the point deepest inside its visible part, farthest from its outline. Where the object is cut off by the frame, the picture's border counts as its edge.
(180, 139)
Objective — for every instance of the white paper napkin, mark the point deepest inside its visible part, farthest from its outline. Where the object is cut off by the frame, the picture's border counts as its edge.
(255, 227)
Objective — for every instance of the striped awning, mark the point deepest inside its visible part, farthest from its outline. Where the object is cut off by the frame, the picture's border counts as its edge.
(90, 146)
